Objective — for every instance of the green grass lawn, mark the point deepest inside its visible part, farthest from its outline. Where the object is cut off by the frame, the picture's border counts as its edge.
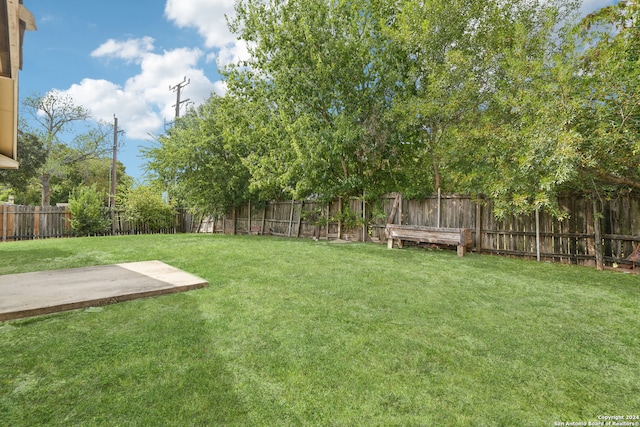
(294, 332)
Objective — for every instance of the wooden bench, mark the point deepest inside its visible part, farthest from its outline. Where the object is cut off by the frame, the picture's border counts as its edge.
(460, 237)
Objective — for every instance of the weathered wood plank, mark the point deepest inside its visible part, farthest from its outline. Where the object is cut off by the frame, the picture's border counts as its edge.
(460, 237)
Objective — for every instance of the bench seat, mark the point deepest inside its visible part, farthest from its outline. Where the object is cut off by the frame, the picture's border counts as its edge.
(459, 237)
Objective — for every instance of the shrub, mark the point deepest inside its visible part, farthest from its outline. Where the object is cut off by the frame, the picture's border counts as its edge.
(144, 207)
(88, 216)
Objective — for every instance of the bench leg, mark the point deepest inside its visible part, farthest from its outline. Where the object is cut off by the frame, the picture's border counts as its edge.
(462, 249)
(400, 243)
(389, 243)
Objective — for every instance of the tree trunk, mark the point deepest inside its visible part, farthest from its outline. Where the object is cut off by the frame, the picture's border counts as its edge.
(436, 173)
(345, 169)
(394, 209)
(45, 181)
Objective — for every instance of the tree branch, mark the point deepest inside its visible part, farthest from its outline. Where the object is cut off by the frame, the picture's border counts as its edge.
(605, 176)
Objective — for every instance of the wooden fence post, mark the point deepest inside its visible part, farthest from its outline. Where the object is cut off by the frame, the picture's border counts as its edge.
(290, 218)
(327, 225)
(4, 223)
(439, 207)
(264, 217)
(67, 221)
(598, 235)
(339, 218)
(538, 234)
(478, 227)
(112, 214)
(364, 219)
(11, 222)
(300, 219)
(36, 222)
(234, 220)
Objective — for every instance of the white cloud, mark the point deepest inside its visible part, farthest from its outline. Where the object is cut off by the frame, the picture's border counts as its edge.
(106, 99)
(211, 57)
(232, 54)
(159, 72)
(220, 87)
(208, 17)
(46, 18)
(144, 102)
(132, 50)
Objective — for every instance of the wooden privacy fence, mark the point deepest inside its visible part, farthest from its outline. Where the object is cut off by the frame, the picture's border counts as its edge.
(33, 222)
(293, 219)
(40, 222)
(595, 233)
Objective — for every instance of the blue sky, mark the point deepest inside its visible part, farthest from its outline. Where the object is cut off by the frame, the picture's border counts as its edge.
(120, 57)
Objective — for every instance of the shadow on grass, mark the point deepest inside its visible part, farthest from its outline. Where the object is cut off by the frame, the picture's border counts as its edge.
(89, 368)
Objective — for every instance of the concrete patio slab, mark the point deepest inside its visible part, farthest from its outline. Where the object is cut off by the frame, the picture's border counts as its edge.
(33, 294)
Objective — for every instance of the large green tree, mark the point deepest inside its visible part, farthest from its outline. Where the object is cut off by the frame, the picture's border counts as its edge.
(523, 149)
(564, 115)
(609, 66)
(344, 97)
(326, 71)
(482, 95)
(195, 162)
(94, 172)
(445, 64)
(405, 96)
(255, 128)
(56, 116)
(31, 156)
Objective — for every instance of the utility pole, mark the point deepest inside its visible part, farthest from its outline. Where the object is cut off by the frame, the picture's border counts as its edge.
(112, 200)
(178, 89)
